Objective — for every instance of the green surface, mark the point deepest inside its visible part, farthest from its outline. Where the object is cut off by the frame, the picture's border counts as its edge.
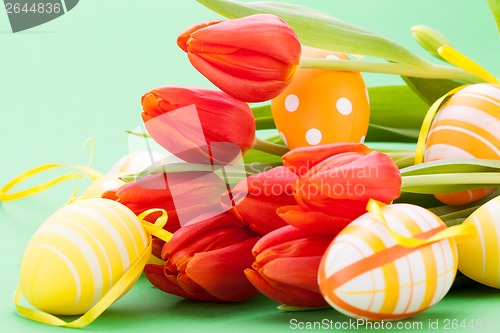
(83, 74)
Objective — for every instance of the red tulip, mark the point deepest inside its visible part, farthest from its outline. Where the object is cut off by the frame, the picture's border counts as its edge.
(341, 178)
(199, 125)
(256, 199)
(301, 159)
(205, 261)
(252, 58)
(286, 266)
(184, 195)
(312, 220)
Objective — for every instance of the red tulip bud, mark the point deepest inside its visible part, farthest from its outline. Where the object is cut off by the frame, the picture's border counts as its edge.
(286, 266)
(184, 195)
(199, 125)
(256, 198)
(339, 179)
(206, 261)
(252, 58)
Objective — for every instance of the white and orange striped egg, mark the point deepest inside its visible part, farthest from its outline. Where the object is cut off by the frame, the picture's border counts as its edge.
(479, 258)
(466, 126)
(79, 253)
(365, 273)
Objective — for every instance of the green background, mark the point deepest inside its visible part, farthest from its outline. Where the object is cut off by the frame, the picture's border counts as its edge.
(82, 75)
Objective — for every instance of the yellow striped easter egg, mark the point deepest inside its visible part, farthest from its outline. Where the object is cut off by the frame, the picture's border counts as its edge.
(479, 258)
(78, 254)
(466, 126)
(365, 273)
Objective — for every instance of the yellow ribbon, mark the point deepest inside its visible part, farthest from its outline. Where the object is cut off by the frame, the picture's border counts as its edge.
(459, 233)
(124, 283)
(426, 124)
(156, 229)
(86, 172)
(458, 59)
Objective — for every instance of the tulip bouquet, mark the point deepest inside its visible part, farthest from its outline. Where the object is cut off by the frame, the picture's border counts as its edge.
(252, 215)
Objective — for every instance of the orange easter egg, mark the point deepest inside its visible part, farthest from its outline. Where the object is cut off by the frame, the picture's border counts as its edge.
(322, 106)
(466, 126)
(365, 273)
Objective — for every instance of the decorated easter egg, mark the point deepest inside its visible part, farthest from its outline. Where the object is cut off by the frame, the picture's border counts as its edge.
(137, 161)
(78, 254)
(103, 184)
(322, 106)
(365, 273)
(466, 126)
(479, 258)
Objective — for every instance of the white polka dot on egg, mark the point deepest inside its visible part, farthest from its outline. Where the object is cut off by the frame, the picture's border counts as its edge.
(362, 140)
(313, 136)
(291, 103)
(344, 106)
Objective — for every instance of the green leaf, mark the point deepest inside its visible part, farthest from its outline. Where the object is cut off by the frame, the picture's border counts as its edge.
(263, 117)
(450, 182)
(320, 30)
(396, 114)
(448, 166)
(431, 90)
(430, 39)
(232, 174)
(495, 10)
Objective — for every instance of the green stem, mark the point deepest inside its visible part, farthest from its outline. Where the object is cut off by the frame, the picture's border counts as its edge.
(265, 123)
(431, 71)
(292, 308)
(402, 159)
(269, 147)
(141, 134)
(450, 182)
(464, 213)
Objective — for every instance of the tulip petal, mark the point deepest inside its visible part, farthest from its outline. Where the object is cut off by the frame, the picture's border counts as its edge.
(154, 274)
(316, 221)
(256, 198)
(184, 195)
(260, 33)
(284, 294)
(260, 215)
(199, 125)
(306, 246)
(301, 159)
(239, 87)
(235, 62)
(220, 272)
(186, 34)
(213, 233)
(301, 272)
(361, 177)
(283, 235)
